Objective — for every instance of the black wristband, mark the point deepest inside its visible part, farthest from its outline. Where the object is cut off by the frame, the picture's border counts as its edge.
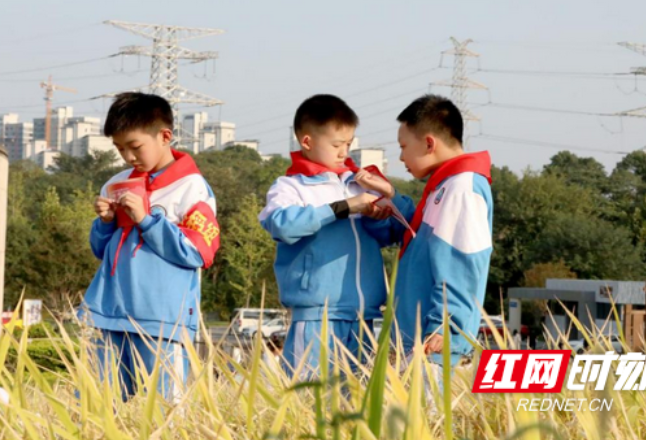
(341, 209)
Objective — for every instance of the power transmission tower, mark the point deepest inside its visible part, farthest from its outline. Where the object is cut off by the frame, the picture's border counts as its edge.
(165, 54)
(461, 82)
(640, 49)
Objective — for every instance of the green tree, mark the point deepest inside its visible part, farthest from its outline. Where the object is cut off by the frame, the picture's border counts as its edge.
(249, 256)
(71, 173)
(523, 209)
(21, 236)
(627, 193)
(634, 163)
(582, 171)
(571, 214)
(591, 247)
(61, 262)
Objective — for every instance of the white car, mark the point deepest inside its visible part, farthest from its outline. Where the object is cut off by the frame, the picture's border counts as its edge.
(580, 346)
(266, 328)
(248, 318)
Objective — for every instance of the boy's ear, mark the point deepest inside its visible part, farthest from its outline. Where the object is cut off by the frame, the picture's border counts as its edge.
(431, 144)
(306, 142)
(167, 135)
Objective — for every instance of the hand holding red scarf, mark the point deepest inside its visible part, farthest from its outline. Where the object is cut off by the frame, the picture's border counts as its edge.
(199, 224)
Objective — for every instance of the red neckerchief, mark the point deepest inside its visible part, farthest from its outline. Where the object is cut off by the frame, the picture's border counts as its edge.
(302, 165)
(479, 163)
(183, 166)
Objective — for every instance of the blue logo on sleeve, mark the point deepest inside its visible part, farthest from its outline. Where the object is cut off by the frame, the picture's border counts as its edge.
(438, 197)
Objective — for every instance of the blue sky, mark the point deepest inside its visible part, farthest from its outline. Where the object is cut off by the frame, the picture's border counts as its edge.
(378, 55)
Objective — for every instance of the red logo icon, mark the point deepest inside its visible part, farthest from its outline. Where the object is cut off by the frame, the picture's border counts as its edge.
(521, 371)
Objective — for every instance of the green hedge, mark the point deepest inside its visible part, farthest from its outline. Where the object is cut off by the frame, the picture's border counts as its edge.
(37, 331)
(43, 353)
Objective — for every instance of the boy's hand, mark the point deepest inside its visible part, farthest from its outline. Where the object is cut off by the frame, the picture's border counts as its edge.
(374, 183)
(380, 213)
(134, 206)
(362, 204)
(104, 208)
(434, 344)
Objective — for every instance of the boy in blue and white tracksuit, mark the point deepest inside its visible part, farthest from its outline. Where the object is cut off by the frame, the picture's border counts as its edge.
(327, 253)
(453, 242)
(451, 250)
(146, 293)
(322, 259)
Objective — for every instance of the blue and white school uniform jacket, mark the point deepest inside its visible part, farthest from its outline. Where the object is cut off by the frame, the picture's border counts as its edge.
(451, 252)
(148, 280)
(321, 258)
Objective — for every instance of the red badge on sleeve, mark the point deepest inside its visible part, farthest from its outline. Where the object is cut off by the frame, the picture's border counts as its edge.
(201, 227)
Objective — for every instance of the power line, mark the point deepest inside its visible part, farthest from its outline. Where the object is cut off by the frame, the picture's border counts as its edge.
(40, 105)
(52, 34)
(340, 80)
(611, 75)
(598, 115)
(58, 66)
(555, 73)
(361, 92)
(545, 109)
(596, 75)
(511, 107)
(397, 81)
(550, 44)
(399, 95)
(362, 118)
(545, 144)
(77, 78)
(378, 132)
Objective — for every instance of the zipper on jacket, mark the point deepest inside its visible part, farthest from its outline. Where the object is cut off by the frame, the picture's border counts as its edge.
(358, 245)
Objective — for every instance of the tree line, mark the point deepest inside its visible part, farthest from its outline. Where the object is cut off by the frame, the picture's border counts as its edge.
(571, 219)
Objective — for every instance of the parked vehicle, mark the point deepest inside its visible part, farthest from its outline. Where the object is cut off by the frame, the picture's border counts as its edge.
(267, 328)
(247, 317)
(497, 321)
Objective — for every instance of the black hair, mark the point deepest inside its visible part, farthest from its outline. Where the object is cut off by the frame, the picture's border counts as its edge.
(320, 110)
(434, 114)
(134, 110)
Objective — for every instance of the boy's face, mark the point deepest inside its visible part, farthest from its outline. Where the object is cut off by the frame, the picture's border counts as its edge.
(417, 152)
(328, 145)
(144, 151)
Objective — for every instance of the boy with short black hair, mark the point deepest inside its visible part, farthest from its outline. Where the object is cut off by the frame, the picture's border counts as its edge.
(152, 238)
(328, 252)
(452, 247)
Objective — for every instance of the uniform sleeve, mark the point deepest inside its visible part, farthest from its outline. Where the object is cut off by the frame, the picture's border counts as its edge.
(459, 251)
(195, 240)
(390, 231)
(287, 218)
(101, 232)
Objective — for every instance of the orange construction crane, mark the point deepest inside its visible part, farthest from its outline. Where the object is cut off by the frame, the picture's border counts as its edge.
(49, 95)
